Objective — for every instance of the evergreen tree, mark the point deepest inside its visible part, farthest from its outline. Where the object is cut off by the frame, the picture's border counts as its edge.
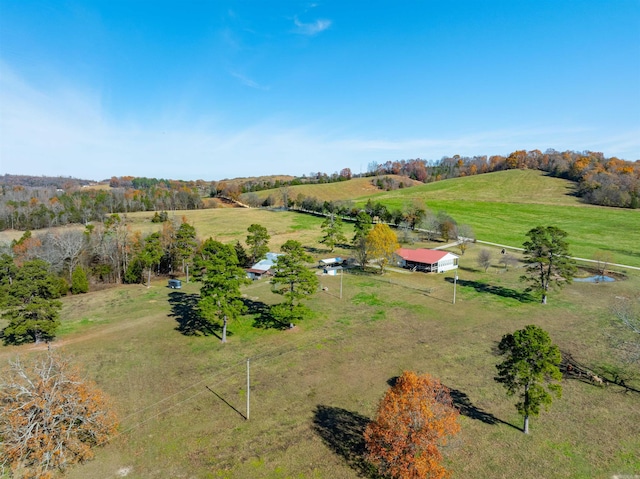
(8, 271)
(151, 253)
(241, 254)
(294, 281)
(531, 363)
(362, 227)
(79, 281)
(547, 258)
(257, 242)
(333, 234)
(186, 244)
(221, 277)
(32, 308)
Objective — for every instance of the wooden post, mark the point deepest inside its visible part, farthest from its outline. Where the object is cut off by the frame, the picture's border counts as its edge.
(248, 389)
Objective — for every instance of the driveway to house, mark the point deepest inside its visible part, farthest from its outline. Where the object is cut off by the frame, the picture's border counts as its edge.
(573, 257)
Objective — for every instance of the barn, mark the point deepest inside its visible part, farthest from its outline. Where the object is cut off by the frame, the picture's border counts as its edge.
(427, 260)
(263, 267)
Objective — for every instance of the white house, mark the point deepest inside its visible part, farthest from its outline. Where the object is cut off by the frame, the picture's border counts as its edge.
(428, 260)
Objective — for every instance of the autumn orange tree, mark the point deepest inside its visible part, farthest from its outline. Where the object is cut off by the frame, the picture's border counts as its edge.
(415, 418)
(50, 418)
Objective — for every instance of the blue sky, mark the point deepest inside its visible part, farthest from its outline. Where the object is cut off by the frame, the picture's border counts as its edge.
(220, 89)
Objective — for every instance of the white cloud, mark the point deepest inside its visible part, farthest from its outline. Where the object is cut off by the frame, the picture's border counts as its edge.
(248, 81)
(311, 29)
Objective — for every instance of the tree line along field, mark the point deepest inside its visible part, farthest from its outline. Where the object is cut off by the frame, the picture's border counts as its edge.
(315, 387)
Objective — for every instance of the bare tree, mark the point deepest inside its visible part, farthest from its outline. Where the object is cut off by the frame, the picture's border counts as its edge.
(285, 193)
(484, 259)
(603, 258)
(626, 314)
(71, 245)
(466, 236)
(508, 260)
(429, 226)
(49, 417)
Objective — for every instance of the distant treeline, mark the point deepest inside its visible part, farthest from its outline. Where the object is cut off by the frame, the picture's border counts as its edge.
(38, 202)
(43, 181)
(25, 208)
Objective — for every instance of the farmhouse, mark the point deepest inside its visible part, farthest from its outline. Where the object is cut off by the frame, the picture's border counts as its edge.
(263, 267)
(428, 260)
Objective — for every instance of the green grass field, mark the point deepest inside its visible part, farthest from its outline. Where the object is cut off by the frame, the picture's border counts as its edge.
(501, 207)
(181, 399)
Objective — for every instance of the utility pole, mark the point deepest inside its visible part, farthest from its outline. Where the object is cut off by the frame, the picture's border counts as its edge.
(248, 388)
(341, 275)
(455, 281)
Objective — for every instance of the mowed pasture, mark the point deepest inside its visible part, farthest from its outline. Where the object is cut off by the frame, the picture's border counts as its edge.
(181, 399)
(502, 206)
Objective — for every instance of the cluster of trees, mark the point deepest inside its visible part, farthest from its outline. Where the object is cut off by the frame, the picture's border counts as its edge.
(59, 182)
(23, 207)
(312, 179)
(108, 252)
(218, 268)
(417, 416)
(413, 218)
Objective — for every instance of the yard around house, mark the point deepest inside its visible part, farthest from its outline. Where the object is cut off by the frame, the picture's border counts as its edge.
(314, 387)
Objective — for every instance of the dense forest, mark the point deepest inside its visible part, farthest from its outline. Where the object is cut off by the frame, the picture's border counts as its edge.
(40, 202)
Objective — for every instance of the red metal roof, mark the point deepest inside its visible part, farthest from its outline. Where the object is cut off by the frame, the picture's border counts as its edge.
(421, 255)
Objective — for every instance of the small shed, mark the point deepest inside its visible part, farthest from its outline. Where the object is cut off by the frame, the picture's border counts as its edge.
(331, 270)
(175, 284)
(427, 260)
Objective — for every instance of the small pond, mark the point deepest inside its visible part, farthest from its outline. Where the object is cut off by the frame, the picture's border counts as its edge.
(595, 279)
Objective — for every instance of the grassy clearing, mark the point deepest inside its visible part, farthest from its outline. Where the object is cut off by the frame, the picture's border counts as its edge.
(314, 387)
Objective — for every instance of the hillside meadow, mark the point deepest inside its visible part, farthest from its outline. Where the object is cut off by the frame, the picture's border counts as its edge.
(501, 207)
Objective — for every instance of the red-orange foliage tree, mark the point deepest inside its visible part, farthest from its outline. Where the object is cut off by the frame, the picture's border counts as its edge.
(414, 419)
(49, 418)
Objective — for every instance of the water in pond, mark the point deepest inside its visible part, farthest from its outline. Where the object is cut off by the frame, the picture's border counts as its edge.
(595, 279)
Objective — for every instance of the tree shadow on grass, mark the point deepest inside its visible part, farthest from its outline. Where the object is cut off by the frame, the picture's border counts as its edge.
(343, 432)
(467, 408)
(263, 318)
(522, 296)
(184, 307)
